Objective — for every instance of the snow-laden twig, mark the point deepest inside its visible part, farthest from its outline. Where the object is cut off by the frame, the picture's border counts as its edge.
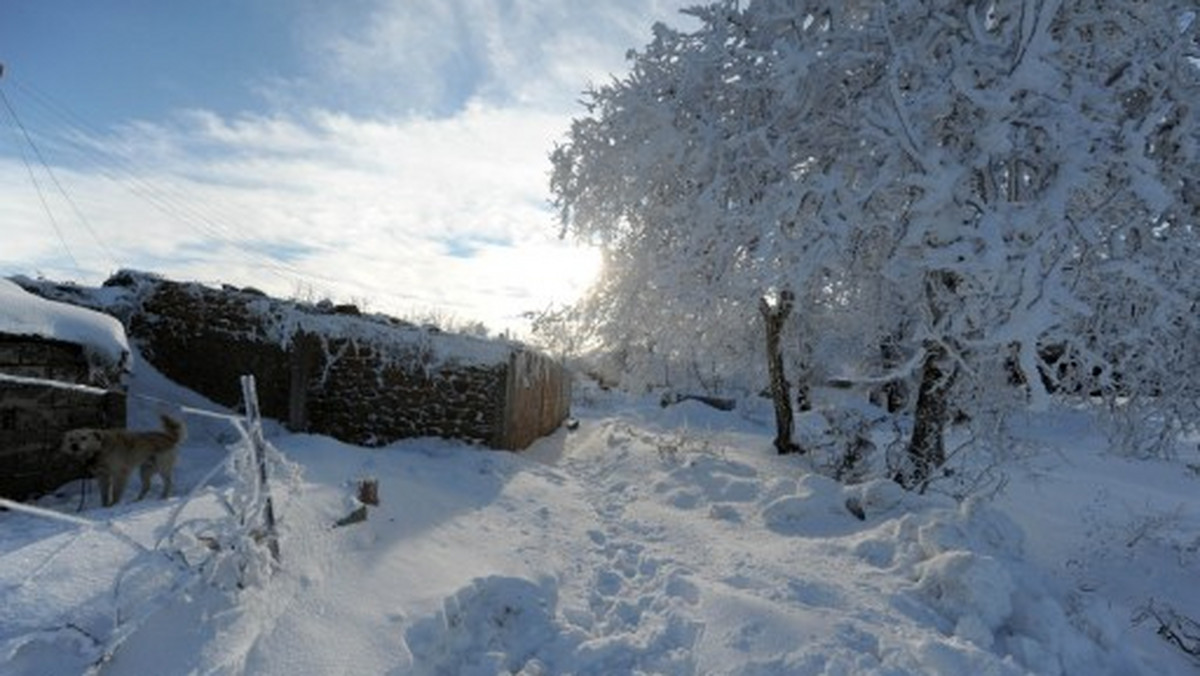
(900, 372)
(108, 648)
(1174, 627)
(89, 643)
(168, 529)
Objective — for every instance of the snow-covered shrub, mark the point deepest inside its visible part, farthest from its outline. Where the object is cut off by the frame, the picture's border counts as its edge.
(228, 559)
(239, 552)
(842, 442)
(682, 445)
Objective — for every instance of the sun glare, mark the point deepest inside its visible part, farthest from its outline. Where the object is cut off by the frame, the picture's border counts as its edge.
(561, 273)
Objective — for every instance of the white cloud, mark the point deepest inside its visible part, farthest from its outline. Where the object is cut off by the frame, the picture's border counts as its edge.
(405, 216)
(431, 198)
(438, 56)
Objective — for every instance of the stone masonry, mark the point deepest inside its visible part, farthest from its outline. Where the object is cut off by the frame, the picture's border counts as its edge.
(364, 379)
(33, 417)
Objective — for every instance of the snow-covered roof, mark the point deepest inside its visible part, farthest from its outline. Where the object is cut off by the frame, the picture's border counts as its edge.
(24, 314)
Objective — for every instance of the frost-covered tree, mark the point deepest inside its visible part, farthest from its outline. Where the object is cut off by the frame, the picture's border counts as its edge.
(998, 199)
(672, 173)
(1138, 274)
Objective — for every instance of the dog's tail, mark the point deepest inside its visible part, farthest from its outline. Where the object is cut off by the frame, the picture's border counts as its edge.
(174, 428)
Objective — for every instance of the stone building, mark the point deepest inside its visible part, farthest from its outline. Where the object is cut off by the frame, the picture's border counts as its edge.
(61, 367)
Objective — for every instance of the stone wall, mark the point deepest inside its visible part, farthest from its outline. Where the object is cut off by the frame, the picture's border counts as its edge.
(206, 340)
(366, 380)
(33, 417)
(367, 398)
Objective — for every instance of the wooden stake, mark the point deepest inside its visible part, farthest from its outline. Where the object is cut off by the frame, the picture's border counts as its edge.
(368, 492)
(254, 425)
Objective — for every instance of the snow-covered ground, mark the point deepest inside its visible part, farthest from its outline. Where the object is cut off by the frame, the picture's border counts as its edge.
(648, 540)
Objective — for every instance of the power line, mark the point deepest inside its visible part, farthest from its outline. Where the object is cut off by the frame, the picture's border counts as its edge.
(120, 169)
(58, 185)
(37, 186)
(166, 196)
(173, 198)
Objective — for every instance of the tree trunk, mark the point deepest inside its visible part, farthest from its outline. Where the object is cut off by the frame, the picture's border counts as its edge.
(926, 449)
(892, 395)
(774, 315)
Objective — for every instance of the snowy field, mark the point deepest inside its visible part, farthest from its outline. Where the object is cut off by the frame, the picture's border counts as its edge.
(648, 540)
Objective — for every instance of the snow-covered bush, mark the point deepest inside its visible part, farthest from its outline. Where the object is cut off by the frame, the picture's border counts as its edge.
(239, 552)
(841, 441)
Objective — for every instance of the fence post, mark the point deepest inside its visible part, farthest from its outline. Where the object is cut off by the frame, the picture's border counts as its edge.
(254, 425)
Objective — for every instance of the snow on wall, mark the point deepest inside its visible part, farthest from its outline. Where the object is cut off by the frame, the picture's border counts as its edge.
(33, 418)
(281, 322)
(43, 342)
(364, 379)
(24, 314)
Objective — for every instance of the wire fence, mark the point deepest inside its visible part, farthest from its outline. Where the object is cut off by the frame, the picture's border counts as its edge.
(229, 542)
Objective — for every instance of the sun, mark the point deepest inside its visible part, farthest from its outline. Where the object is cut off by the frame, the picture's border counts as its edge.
(575, 267)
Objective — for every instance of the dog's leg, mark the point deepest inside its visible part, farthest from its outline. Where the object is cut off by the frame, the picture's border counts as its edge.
(147, 471)
(165, 473)
(166, 470)
(104, 481)
(118, 484)
(83, 484)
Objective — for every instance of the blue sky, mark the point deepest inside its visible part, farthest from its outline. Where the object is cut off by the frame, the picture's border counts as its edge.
(124, 59)
(387, 152)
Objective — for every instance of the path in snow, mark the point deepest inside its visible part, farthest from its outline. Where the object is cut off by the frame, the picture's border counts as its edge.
(710, 538)
(634, 545)
(715, 534)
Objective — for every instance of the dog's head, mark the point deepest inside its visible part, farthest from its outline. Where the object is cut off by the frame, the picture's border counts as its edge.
(82, 443)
